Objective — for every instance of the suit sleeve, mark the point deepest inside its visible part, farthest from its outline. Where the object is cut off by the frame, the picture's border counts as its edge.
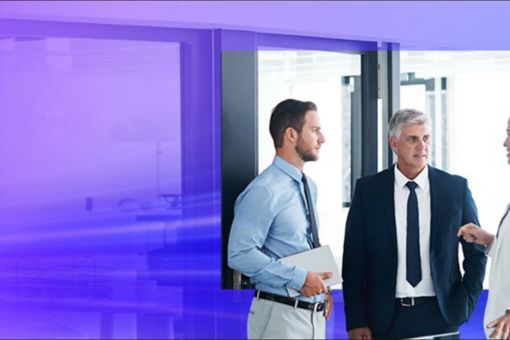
(353, 264)
(474, 255)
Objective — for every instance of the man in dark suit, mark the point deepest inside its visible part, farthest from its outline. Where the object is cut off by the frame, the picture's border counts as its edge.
(401, 276)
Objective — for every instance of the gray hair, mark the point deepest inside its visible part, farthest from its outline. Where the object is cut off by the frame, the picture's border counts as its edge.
(405, 117)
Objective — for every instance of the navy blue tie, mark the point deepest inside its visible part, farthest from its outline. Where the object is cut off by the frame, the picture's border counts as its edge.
(413, 259)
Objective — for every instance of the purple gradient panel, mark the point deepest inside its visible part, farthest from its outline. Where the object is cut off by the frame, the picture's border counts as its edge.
(104, 235)
(91, 185)
(98, 238)
(443, 25)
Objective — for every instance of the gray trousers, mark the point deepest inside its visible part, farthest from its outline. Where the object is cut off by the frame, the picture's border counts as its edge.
(274, 320)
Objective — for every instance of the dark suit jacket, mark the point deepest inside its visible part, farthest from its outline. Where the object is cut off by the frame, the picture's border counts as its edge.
(370, 255)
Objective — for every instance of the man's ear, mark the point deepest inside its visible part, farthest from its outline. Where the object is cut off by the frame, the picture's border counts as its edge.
(393, 141)
(291, 135)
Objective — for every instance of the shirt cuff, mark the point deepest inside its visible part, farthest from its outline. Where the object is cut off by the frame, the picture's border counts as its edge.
(299, 278)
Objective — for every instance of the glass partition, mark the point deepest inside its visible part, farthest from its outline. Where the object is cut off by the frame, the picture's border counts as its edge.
(465, 93)
(91, 183)
(330, 80)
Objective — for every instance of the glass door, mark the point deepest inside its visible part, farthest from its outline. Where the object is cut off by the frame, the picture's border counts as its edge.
(261, 70)
(323, 77)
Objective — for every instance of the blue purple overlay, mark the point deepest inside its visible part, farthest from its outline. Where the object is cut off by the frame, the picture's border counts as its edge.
(110, 156)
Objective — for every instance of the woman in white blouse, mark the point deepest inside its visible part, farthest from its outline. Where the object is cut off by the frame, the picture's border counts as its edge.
(497, 312)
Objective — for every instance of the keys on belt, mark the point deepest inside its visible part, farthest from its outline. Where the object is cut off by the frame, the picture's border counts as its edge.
(317, 307)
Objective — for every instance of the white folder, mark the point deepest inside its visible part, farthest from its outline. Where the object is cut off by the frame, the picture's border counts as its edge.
(316, 260)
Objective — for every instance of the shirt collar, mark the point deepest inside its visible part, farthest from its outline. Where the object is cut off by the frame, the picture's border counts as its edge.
(288, 168)
(422, 180)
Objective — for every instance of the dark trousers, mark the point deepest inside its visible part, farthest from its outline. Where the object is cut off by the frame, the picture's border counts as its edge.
(424, 319)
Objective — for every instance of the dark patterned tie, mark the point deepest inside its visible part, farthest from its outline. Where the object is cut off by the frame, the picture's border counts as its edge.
(413, 260)
(312, 230)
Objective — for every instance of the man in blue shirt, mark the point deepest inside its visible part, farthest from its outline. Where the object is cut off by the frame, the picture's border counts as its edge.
(272, 220)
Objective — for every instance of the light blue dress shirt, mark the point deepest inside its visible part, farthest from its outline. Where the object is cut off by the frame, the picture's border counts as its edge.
(270, 222)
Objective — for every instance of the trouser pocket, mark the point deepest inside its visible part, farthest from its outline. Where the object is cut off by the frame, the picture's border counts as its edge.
(258, 318)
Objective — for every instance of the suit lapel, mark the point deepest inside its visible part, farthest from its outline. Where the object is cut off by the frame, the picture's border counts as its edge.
(434, 205)
(388, 189)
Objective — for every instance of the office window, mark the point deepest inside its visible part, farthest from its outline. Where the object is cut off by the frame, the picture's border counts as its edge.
(465, 93)
(329, 79)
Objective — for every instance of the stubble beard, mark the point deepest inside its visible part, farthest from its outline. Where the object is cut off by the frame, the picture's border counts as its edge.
(305, 154)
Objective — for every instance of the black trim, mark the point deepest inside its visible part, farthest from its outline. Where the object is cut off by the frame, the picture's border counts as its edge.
(239, 162)
(369, 94)
(393, 100)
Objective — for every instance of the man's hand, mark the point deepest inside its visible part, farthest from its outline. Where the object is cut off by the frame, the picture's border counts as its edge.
(328, 305)
(473, 234)
(502, 327)
(314, 284)
(360, 334)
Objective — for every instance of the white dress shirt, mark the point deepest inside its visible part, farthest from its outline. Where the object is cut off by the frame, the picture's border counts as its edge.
(499, 279)
(426, 286)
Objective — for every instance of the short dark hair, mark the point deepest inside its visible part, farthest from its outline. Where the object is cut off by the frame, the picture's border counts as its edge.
(288, 113)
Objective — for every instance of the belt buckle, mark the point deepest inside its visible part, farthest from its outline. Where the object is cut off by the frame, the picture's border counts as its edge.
(402, 302)
(319, 306)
